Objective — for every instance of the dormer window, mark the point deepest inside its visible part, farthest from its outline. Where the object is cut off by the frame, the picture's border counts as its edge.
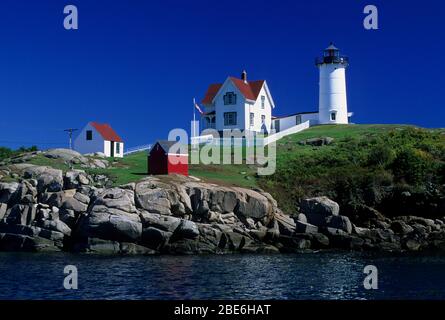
(263, 101)
(89, 135)
(229, 98)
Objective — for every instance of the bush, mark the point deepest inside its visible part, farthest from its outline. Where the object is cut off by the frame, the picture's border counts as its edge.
(380, 155)
(411, 166)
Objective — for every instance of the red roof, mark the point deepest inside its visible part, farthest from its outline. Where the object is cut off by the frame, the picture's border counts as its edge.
(106, 131)
(250, 90)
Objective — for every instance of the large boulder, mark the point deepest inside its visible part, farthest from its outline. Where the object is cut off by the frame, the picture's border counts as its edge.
(401, 227)
(56, 225)
(7, 191)
(112, 216)
(318, 209)
(286, 224)
(187, 229)
(164, 198)
(22, 214)
(155, 238)
(19, 242)
(323, 212)
(162, 222)
(66, 155)
(75, 205)
(100, 246)
(48, 179)
(339, 222)
(75, 178)
(243, 202)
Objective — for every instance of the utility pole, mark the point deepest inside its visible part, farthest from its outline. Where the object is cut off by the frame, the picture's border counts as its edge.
(70, 133)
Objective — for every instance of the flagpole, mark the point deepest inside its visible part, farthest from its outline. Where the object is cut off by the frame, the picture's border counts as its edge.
(194, 123)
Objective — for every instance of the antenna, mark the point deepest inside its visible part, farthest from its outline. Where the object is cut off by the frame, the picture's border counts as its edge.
(70, 133)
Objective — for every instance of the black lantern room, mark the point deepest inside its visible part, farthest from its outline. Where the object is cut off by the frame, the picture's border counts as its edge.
(332, 55)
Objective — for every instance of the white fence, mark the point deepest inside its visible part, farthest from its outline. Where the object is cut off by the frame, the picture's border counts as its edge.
(137, 149)
(258, 140)
(277, 136)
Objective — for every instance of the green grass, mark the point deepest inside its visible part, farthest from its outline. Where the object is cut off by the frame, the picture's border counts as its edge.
(131, 168)
(41, 160)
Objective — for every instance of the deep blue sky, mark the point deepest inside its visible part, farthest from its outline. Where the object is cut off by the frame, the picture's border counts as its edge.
(138, 64)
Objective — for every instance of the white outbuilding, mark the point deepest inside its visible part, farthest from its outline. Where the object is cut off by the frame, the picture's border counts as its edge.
(99, 137)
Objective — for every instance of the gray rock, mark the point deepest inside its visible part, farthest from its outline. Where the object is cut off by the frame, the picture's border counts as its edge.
(56, 225)
(187, 229)
(317, 142)
(3, 208)
(318, 209)
(401, 227)
(116, 198)
(19, 242)
(135, 249)
(303, 227)
(286, 224)
(68, 217)
(7, 191)
(153, 198)
(260, 248)
(22, 214)
(82, 198)
(154, 238)
(50, 182)
(302, 217)
(67, 155)
(111, 227)
(166, 223)
(412, 245)
(75, 205)
(53, 199)
(339, 222)
(98, 246)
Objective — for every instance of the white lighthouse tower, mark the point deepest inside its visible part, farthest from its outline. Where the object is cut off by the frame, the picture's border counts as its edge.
(333, 105)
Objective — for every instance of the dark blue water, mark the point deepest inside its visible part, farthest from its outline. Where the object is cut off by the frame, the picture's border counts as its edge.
(326, 275)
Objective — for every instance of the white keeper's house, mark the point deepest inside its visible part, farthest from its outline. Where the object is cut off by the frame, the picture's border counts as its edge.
(238, 104)
(247, 105)
(99, 137)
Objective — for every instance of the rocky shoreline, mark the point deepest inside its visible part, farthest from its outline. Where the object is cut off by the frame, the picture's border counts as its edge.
(49, 210)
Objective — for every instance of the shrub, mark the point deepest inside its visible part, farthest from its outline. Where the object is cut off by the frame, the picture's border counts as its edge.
(410, 165)
(380, 155)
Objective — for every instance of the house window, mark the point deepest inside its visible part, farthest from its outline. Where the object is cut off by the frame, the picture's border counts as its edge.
(118, 148)
(89, 135)
(252, 119)
(263, 119)
(333, 116)
(298, 119)
(263, 101)
(229, 98)
(230, 118)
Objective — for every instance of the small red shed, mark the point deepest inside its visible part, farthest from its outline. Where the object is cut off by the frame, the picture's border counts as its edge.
(162, 161)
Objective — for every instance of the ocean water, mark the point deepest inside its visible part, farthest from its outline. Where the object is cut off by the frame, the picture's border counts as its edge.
(322, 275)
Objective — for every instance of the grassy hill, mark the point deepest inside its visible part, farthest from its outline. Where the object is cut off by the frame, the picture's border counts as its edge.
(365, 166)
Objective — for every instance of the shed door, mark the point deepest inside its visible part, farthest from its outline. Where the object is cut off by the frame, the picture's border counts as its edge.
(112, 149)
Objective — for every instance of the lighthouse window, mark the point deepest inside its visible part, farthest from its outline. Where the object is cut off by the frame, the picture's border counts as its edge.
(333, 116)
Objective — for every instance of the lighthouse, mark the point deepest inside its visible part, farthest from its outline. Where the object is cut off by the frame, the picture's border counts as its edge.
(332, 105)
